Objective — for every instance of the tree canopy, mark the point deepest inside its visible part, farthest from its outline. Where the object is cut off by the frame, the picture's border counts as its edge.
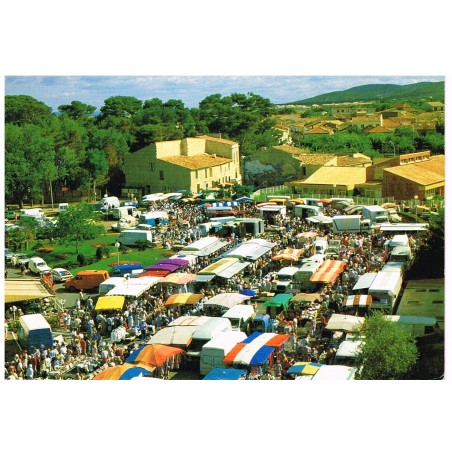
(388, 352)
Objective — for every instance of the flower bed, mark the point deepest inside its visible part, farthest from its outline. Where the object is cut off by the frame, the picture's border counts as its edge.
(112, 264)
(45, 250)
(99, 245)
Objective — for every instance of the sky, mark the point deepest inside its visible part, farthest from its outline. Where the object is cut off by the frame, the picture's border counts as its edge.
(93, 90)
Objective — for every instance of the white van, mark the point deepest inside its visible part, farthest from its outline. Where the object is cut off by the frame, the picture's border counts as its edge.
(214, 351)
(32, 213)
(240, 316)
(385, 289)
(321, 244)
(204, 333)
(109, 284)
(38, 266)
(108, 203)
(63, 206)
(34, 331)
(125, 211)
(397, 240)
(130, 237)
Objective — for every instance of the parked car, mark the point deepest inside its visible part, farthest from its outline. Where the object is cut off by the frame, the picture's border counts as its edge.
(21, 259)
(8, 255)
(61, 274)
(38, 266)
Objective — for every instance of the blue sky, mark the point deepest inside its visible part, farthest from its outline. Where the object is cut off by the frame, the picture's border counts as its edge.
(58, 90)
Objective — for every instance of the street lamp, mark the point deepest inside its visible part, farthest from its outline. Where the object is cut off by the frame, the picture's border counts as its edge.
(117, 245)
(416, 197)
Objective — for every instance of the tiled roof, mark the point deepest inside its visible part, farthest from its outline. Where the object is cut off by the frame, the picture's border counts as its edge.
(315, 159)
(318, 130)
(348, 160)
(436, 104)
(218, 140)
(338, 175)
(389, 123)
(290, 149)
(196, 161)
(428, 172)
(379, 129)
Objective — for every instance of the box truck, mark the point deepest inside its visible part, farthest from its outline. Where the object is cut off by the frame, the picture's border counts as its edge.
(240, 317)
(350, 223)
(214, 351)
(34, 331)
(385, 289)
(130, 237)
(296, 277)
(376, 214)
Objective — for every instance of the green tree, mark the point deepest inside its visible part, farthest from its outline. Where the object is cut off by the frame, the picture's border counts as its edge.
(389, 352)
(24, 109)
(120, 106)
(77, 110)
(29, 162)
(77, 224)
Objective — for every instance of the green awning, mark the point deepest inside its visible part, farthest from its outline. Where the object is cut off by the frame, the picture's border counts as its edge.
(279, 300)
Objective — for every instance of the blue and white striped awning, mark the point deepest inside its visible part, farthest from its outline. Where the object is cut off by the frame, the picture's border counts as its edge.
(224, 204)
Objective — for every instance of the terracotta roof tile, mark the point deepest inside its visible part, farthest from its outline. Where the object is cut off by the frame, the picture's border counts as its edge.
(379, 129)
(290, 149)
(424, 173)
(196, 161)
(315, 159)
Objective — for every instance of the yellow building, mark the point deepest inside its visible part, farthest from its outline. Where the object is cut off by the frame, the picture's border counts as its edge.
(193, 164)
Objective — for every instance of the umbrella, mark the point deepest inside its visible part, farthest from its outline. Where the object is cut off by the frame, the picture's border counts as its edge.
(304, 368)
(125, 371)
(249, 292)
(153, 354)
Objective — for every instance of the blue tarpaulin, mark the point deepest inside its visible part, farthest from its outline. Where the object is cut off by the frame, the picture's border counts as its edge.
(225, 374)
(261, 355)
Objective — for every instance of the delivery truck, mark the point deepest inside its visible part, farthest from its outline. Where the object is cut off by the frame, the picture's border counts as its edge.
(130, 237)
(376, 214)
(296, 278)
(350, 223)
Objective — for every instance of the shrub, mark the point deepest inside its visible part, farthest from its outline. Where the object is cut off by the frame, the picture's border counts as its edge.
(61, 256)
(81, 258)
(45, 250)
(99, 253)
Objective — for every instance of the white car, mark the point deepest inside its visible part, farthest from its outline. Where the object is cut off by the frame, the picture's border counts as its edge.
(21, 258)
(61, 274)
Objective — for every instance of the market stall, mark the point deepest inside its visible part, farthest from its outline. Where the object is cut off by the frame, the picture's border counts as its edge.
(304, 368)
(154, 355)
(183, 299)
(289, 254)
(219, 304)
(278, 303)
(250, 250)
(328, 271)
(345, 323)
(125, 371)
(110, 303)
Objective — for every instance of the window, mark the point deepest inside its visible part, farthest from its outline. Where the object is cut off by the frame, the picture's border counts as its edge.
(205, 172)
(162, 176)
(152, 167)
(197, 174)
(210, 172)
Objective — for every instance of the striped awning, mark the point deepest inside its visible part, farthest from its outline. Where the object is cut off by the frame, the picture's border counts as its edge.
(178, 278)
(358, 300)
(255, 351)
(180, 299)
(289, 254)
(328, 271)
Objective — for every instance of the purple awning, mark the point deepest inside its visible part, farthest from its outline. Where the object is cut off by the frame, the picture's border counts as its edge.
(159, 266)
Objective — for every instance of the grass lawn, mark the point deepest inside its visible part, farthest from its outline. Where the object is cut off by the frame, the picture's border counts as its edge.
(88, 248)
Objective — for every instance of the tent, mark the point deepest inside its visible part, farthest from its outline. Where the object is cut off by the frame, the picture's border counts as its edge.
(109, 302)
(304, 368)
(244, 199)
(230, 373)
(307, 298)
(255, 349)
(17, 290)
(226, 300)
(125, 371)
(328, 271)
(289, 254)
(153, 355)
(179, 336)
(190, 320)
(342, 322)
(358, 300)
(250, 250)
(180, 299)
(178, 279)
(279, 300)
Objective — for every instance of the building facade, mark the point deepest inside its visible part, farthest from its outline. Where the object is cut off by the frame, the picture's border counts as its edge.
(192, 164)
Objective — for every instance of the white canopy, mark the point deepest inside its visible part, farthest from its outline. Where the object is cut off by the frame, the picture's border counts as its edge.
(342, 322)
(365, 281)
(174, 335)
(226, 300)
(251, 250)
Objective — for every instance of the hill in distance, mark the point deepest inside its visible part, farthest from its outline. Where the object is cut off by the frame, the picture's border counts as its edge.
(428, 91)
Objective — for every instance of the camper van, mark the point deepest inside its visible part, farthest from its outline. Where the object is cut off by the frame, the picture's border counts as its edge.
(214, 351)
(34, 331)
(86, 280)
(154, 218)
(240, 316)
(303, 211)
(207, 331)
(125, 211)
(385, 289)
(35, 213)
(130, 237)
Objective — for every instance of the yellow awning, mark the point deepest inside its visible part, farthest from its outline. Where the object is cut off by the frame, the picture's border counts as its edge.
(110, 302)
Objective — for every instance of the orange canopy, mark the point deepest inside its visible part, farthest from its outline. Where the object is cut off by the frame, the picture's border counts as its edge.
(328, 271)
(288, 254)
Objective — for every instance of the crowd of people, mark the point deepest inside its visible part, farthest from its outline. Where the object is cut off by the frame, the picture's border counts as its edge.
(90, 330)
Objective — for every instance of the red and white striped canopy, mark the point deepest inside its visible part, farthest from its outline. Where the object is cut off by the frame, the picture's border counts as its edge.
(358, 300)
(328, 271)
